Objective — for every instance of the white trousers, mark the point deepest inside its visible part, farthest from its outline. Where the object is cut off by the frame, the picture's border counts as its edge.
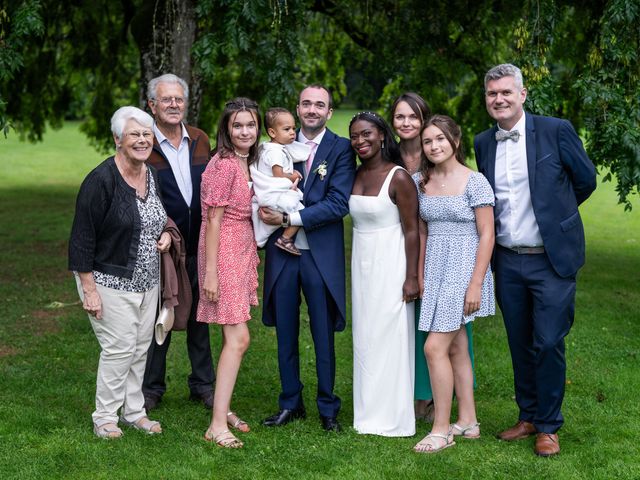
(124, 334)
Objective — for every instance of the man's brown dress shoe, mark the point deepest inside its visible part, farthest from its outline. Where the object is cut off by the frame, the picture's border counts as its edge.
(519, 431)
(547, 444)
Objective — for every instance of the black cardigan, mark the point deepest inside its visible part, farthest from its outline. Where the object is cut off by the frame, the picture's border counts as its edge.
(106, 226)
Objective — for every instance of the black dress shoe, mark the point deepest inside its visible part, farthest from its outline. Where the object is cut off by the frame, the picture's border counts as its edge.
(330, 424)
(151, 402)
(284, 416)
(206, 398)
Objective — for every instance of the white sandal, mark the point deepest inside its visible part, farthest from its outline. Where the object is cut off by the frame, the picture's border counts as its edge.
(144, 425)
(238, 423)
(471, 431)
(428, 443)
(224, 439)
(107, 430)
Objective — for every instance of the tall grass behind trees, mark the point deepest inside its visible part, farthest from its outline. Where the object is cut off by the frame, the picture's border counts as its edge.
(49, 355)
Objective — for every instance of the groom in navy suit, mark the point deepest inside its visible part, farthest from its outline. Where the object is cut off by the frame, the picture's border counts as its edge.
(540, 173)
(319, 272)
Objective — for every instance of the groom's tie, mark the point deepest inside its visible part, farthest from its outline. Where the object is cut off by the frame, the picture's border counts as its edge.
(312, 154)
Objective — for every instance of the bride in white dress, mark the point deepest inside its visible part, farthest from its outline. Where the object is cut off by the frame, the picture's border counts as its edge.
(384, 281)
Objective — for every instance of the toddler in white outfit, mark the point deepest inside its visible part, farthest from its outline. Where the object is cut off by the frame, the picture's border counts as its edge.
(275, 180)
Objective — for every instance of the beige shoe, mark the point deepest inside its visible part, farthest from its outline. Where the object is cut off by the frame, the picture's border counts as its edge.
(234, 421)
(224, 439)
(471, 431)
(143, 424)
(107, 430)
(434, 443)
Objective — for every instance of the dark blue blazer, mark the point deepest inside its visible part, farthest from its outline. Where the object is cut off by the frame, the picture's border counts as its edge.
(561, 177)
(326, 202)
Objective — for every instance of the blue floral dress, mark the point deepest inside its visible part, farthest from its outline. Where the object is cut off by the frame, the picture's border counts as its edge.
(452, 243)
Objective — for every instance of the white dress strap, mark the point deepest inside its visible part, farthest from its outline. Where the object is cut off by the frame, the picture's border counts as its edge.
(387, 181)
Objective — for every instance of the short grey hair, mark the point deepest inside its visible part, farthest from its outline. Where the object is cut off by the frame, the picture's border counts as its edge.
(166, 78)
(124, 114)
(504, 70)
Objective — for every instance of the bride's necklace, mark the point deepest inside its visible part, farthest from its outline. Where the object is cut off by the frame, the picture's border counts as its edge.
(241, 155)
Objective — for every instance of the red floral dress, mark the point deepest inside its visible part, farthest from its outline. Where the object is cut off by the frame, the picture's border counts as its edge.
(224, 185)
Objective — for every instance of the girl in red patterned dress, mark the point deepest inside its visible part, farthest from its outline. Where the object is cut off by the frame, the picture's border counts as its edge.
(227, 256)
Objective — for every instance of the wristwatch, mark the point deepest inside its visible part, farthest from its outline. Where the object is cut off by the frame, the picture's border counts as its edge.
(285, 219)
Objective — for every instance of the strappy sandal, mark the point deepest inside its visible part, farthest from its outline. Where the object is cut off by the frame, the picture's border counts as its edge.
(471, 431)
(107, 430)
(238, 423)
(288, 245)
(150, 427)
(429, 444)
(224, 439)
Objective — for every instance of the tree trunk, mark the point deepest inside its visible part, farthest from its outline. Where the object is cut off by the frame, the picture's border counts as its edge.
(164, 31)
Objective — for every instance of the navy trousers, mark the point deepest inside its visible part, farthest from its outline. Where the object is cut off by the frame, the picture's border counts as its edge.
(538, 310)
(301, 273)
(198, 347)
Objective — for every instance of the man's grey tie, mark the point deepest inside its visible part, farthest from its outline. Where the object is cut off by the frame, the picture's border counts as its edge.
(501, 135)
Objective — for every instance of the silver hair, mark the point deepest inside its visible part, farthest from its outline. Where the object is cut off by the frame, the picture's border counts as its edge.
(166, 78)
(124, 114)
(504, 70)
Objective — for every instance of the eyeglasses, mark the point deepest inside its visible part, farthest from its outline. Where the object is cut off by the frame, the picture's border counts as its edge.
(166, 101)
(147, 135)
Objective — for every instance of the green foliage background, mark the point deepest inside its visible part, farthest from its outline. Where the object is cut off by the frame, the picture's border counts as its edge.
(580, 60)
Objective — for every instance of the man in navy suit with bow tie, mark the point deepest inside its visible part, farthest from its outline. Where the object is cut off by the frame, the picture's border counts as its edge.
(540, 173)
(319, 272)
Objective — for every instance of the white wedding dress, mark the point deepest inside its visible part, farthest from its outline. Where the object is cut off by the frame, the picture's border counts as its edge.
(383, 325)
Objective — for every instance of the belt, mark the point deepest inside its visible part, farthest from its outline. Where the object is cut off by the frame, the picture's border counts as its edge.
(525, 250)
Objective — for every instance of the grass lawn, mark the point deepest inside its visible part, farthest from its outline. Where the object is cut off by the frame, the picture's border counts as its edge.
(48, 360)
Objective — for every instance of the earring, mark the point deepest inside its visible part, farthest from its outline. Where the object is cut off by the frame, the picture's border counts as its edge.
(382, 144)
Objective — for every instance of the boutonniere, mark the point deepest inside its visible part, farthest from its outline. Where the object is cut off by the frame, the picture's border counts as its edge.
(321, 169)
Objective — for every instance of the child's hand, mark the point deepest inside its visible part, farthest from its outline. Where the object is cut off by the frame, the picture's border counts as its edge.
(295, 184)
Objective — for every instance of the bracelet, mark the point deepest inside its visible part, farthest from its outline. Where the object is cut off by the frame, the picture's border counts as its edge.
(285, 219)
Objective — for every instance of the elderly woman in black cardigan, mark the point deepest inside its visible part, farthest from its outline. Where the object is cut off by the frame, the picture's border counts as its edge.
(113, 250)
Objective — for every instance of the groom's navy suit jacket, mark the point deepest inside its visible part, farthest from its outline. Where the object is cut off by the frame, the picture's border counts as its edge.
(561, 177)
(326, 200)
